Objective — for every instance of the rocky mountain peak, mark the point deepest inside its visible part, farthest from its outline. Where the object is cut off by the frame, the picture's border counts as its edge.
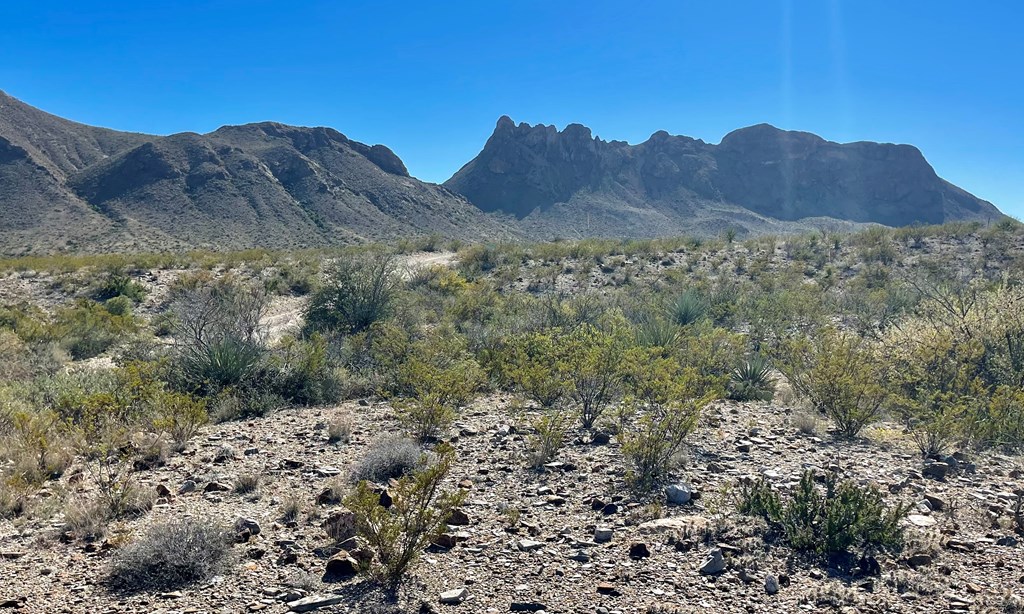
(540, 172)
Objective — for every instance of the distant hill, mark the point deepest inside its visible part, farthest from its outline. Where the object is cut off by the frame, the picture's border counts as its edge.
(68, 186)
(757, 179)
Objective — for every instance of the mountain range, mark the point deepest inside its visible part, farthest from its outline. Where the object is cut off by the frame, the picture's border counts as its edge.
(66, 186)
(757, 178)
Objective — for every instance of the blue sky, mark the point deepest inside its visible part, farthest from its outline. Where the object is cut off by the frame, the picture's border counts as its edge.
(429, 79)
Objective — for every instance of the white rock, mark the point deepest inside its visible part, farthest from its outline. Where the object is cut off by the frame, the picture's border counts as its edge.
(678, 494)
(454, 596)
(603, 534)
(920, 521)
(714, 563)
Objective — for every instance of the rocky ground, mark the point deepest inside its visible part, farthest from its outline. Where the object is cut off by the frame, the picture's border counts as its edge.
(566, 539)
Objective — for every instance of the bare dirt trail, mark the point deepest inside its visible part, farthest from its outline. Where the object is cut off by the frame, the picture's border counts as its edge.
(410, 263)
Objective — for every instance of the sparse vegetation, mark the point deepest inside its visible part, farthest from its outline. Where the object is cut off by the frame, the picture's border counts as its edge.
(397, 535)
(355, 294)
(387, 458)
(171, 556)
(606, 356)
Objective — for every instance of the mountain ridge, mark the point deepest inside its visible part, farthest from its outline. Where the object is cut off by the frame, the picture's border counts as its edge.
(550, 178)
(70, 186)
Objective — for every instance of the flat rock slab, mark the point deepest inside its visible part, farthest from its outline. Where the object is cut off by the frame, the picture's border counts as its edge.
(314, 602)
(674, 523)
(454, 597)
(919, 520)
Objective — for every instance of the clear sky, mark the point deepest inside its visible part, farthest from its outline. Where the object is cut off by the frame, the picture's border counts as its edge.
(430, 79)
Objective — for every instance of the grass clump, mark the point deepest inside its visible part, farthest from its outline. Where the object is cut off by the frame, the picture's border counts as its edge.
(171, 556)
(387, 458)
(339, 429)
(247, 483)
(834, 518)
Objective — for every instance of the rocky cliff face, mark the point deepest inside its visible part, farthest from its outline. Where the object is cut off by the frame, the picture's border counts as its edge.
(65, 185)
(668, 184)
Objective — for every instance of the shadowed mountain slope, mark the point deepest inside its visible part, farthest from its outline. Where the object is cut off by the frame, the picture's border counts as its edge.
(64, 185)
(758, 178)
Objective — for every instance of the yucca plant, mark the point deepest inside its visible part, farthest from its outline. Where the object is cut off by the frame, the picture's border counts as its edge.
(752, 381)
(224, 363)
(655, 331)
(689, 307)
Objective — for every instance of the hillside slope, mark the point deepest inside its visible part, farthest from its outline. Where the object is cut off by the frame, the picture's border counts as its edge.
(67, 186)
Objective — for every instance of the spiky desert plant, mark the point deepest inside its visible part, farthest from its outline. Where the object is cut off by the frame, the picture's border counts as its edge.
(752, 381)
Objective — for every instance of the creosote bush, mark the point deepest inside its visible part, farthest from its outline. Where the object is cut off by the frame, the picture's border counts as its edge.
(420, 509)
(443, 378)
(547, 438)
(832, 518)
(661, 407)
(840, 375)
(170, 557)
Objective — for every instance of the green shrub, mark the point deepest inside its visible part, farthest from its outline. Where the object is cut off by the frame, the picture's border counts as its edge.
(179, 415)
(118, 284)
(355, 294)
(119, 306)
(590, 365)
(111, 460)
(957, 367)
(88, 329)
(27, 321)
(752, 381)
(663, 398)
(377, 355)
(442, 378)
(307, 375)
(531, 364)
(656, 331)
(831, 519)
(292, 278)
(36, 446)
(547, 438)
(171, 556)
(220, 364)
(397, 535)
(840, 375)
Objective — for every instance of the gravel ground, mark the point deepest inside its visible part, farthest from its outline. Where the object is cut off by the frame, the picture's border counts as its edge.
(530, 538)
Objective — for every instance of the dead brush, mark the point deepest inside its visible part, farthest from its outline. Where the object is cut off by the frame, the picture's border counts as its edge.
(339, 430)
(247, 483)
